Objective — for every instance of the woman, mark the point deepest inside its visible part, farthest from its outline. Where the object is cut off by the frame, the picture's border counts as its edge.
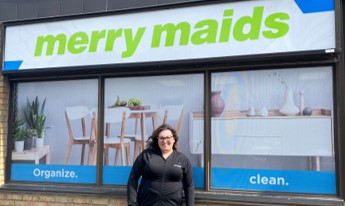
(165, 173)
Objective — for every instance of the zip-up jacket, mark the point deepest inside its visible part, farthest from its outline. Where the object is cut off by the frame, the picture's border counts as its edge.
(162, 180)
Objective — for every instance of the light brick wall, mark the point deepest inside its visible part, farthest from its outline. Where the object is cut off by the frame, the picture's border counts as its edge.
(3, 125)
(58, 200)
(34, 199)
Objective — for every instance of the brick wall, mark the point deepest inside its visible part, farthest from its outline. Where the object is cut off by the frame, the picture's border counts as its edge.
(58, 200)
(3, 125)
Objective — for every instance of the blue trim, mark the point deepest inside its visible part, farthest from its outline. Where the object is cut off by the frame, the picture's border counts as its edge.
(116, 175)
(316, 182)
(313, 6)
(54, 173)
(198, 177)
(12, 65)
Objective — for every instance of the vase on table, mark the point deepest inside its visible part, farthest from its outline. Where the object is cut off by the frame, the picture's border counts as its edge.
(39, 142)
(217, 103)
(289, 108)
(28, 143)
(19, 146)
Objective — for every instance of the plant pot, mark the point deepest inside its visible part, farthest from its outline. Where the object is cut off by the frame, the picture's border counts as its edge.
(39, 142)
(28, 143)
(19, 146)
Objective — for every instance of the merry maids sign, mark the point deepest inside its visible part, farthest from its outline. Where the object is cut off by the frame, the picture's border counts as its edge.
(218, 30)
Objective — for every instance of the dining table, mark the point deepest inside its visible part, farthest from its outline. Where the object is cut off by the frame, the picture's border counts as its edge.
(141, 114)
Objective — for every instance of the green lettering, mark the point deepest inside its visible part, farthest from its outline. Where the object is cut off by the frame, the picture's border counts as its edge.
(206, 35)
(170, 31)
(281, 28)
(112, 35)
(226, 26)
(50, 42)
(254, 22)
(132, 43)
(76, 42)
(95, 37)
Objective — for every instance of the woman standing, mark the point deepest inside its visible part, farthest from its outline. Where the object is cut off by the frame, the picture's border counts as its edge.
(165, 173)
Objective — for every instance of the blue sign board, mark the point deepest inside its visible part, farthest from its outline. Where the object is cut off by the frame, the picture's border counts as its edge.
(318, 182)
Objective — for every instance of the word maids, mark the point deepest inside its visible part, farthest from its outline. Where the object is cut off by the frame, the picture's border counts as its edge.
(208, 31)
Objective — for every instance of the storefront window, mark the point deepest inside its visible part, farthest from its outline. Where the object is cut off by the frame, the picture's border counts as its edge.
(69, 151)
(62, 109)
(272, 130)
(145, 101)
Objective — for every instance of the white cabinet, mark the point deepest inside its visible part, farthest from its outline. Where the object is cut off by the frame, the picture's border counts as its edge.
(272, 135)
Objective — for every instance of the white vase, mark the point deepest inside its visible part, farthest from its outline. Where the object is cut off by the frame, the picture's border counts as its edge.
(289, 108)
(301, 102)
(39, 142)
(19, 146)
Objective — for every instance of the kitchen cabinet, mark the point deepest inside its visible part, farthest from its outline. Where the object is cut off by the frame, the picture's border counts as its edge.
(239, 134)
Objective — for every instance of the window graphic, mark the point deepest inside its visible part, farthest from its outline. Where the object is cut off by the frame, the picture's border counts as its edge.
(272, 130)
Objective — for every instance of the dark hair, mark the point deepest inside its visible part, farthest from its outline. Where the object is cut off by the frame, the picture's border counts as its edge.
(152, 141)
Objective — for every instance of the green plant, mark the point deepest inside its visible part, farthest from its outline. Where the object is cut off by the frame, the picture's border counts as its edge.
(33, 108)
(20, 133)
(32, 132)
(39, 124)
(134, 102)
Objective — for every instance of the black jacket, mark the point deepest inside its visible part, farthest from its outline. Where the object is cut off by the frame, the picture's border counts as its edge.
(162, 181)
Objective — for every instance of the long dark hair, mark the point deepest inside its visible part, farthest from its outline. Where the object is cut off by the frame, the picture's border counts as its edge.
(152, 141)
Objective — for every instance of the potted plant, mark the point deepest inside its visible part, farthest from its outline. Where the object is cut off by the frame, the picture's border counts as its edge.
(20, 133)
(33, 108)
(39, 125)
(35, 119)
(31, 133)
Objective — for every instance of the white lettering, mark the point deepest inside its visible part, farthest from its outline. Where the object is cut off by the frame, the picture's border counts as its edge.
(54, 173)
(263, 180)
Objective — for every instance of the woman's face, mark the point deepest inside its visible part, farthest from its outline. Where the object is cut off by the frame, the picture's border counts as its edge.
(166, 141)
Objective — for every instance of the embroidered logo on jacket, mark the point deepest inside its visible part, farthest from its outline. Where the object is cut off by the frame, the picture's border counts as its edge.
(176, 165)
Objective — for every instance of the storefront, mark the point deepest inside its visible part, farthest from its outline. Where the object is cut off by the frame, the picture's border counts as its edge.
(254, 88)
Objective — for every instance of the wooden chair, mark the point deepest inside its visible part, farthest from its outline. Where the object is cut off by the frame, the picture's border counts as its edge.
(173, 115)
(73, 115)
(93, 139)
(169, 114)
(113, 116)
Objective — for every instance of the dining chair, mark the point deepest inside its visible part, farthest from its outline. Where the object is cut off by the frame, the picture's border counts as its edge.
(93, 139)
(173, 115)
(75, 120)
(116, 117)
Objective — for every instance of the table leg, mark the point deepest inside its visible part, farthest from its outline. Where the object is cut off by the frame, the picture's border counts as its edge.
(48, 158)
(154, 121)
(317, 163)
(82, 154)
(314, 163)
(142, 125)
(123, 154)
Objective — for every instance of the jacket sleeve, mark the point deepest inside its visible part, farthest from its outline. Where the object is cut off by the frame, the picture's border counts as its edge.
(132, 185)
(188, 184)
